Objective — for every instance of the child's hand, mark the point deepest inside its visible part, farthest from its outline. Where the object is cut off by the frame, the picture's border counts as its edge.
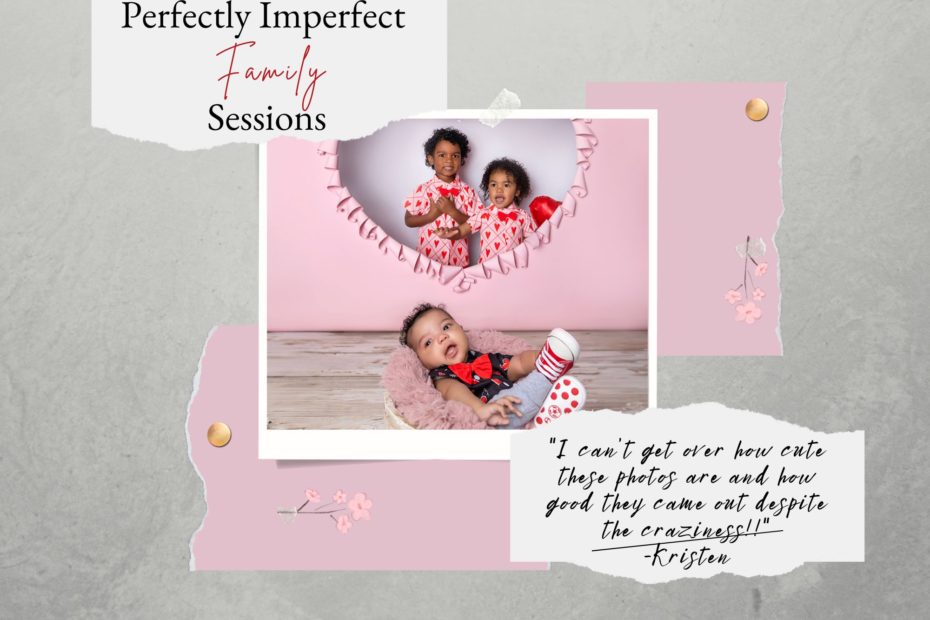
(497, 420)
(446, 205)
(453, 233)
(434, 210)
(496, 413)
(439, 207)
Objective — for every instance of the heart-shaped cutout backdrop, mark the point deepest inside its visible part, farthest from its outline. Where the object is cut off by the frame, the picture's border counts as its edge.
(372, 176)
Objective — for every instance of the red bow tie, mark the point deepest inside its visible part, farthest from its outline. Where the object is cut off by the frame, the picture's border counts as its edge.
(507, 216)
(446, 192)
(467, 371)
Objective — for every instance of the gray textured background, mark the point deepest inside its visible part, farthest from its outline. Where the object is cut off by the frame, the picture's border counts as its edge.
(118, 257)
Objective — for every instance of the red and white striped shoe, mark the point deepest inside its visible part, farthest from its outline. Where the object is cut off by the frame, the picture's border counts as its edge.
(567, 395)
(558, 355)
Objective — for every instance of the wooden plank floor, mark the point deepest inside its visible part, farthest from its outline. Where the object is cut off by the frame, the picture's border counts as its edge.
(330, 380)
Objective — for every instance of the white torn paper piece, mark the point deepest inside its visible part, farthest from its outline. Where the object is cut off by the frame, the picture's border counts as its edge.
(688, 492)
(195, 390)
(195, 77)
(505, 103)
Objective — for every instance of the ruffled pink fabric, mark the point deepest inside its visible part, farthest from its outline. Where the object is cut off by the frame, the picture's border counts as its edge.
(463, 278)
(409, 386)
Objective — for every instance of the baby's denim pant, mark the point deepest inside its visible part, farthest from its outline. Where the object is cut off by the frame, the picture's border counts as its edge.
(532, 391)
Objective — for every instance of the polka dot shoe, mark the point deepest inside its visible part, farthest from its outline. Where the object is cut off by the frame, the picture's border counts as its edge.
(567, 395)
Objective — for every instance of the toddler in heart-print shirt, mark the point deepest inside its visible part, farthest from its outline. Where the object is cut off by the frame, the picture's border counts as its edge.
(501, 226)
(444, 201)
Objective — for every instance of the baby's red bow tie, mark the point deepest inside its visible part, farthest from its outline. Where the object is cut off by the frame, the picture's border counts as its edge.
(467, 371)
(446, 192)
(507, 216)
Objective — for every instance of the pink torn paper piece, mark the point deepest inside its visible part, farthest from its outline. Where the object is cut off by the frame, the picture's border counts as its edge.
(305, 515)
(719, 191)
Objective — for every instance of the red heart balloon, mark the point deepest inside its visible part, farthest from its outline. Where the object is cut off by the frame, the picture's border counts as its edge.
(542, 208)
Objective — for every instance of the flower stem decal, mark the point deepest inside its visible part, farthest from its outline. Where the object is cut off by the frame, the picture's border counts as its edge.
(750, 252)
(358, 508)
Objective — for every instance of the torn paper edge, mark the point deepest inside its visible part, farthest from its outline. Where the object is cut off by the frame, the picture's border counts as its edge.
(781, 200)
(257, 143)
(654, 409)
(187, 431)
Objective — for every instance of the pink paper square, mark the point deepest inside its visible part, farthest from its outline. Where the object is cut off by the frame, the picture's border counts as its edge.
(438, 515)
(719, 180)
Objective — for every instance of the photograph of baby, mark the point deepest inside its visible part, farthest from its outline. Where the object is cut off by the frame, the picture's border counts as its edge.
(503, 390)
(450, 273)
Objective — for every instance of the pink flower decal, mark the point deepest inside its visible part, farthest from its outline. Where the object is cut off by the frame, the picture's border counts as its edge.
(751, 253)
(748, 313)
(359, 506)
(342, 513)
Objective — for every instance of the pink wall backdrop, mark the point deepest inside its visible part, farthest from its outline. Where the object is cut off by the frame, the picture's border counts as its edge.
(322, 275)
(719, 181)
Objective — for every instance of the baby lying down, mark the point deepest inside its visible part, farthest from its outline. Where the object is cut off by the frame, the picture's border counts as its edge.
(505, 391)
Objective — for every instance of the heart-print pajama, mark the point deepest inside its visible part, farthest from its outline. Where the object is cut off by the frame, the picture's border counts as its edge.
(500, 230)
(466, 200)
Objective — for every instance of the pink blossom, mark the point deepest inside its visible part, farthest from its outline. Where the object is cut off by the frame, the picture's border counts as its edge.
(359, 506)
(312, 496)
(343, 524)
(732, 296)
(761, 268)
(748, 313)
(340, 497)
(758, 294)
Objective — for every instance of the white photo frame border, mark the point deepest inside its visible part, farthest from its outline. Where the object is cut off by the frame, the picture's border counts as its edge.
(387, 444)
